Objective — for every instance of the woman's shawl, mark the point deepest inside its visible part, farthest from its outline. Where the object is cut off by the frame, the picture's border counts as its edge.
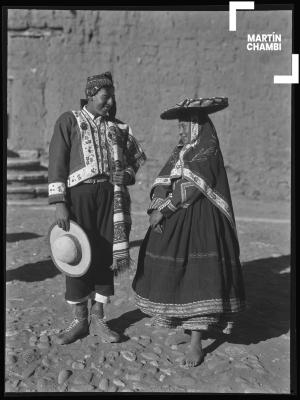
(200, 162)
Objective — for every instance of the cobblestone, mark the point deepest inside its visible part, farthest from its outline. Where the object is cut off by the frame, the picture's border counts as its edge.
(253, 359)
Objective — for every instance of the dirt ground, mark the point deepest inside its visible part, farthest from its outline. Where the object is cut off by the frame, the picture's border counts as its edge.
(254, 359)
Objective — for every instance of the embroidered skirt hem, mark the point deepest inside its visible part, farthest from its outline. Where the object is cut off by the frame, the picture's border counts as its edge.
(202, 307)
(213, 322)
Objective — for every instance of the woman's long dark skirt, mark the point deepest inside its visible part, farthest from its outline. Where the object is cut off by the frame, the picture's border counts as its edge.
(190, 275)
(91, 206)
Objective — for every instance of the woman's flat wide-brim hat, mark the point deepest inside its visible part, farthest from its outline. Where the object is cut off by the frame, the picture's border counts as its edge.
(70, 251)
(187, 107)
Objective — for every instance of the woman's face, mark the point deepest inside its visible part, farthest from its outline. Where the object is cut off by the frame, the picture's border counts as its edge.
(184, 131)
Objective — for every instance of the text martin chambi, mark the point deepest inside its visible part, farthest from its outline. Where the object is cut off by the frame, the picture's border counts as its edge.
(264, 42)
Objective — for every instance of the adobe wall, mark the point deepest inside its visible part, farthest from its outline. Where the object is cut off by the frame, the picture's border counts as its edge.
(158, 58)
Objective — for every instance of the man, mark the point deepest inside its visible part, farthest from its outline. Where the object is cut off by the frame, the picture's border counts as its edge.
(92, 158)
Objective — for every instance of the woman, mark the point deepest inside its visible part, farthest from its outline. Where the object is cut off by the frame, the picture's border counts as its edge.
(189, 274)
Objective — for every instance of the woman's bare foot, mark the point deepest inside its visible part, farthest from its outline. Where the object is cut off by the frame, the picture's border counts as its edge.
(193, 356)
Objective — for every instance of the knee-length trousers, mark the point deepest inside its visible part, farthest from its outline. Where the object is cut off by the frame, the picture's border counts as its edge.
(91, 206)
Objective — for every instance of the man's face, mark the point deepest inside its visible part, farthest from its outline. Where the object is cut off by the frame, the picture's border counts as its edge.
(103, 101)
(184, 131)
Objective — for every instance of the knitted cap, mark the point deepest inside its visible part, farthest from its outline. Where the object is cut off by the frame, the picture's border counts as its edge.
(96, 82)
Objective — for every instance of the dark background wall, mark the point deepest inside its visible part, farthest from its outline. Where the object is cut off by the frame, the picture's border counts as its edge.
(158, 58)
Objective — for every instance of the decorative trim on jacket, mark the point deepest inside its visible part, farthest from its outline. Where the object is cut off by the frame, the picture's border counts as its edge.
(72, 152)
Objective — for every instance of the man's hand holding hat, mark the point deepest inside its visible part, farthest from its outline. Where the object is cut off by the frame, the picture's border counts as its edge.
(62, 216)
(70, 252)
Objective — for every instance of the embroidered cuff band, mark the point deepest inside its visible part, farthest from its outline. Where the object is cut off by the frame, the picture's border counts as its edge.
(167, 208)
(154, 204)
(56, 192)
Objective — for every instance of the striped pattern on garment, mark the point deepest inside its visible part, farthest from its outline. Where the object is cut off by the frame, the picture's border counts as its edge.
(155, 203)
(216, 322)
(121, 210)
(193, 309)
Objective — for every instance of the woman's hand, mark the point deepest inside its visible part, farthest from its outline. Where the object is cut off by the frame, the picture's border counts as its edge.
(62, 216)
(155, 219)
(121, 178)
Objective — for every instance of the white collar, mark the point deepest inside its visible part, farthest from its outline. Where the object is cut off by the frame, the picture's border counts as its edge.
(92, 116)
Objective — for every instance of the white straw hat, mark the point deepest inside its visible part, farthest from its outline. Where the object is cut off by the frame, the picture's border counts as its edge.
(70, 251)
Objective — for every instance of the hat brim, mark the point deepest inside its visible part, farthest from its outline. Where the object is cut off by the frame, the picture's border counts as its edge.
(82, 267)
(183, 112)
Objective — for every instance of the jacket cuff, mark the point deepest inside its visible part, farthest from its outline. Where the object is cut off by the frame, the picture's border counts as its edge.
(167, 208)
(57, 192)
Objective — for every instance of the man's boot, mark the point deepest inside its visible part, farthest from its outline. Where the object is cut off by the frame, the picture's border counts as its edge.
(78, 328)
(98, 324)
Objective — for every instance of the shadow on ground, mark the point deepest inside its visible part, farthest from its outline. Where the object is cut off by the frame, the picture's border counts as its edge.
(15, 237)
(267, 283)
(33, 272)
(126, 320)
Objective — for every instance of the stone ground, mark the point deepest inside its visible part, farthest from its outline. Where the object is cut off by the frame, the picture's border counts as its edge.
(254, 359)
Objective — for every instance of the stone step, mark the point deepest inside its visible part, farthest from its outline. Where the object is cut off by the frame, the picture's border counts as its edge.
(35, 202)
(23, 164)
(27, 177)
(33, 154)
(26, 192)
